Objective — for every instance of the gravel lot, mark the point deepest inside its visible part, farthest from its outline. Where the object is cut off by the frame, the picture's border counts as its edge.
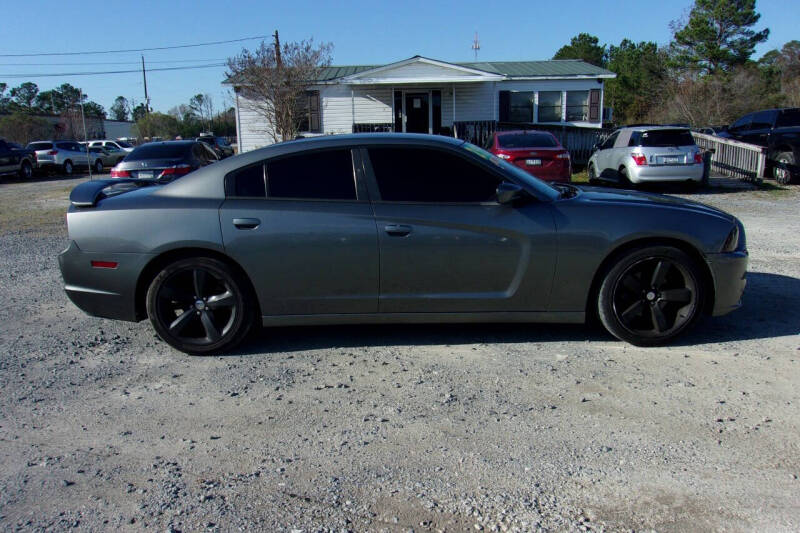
(398, 428)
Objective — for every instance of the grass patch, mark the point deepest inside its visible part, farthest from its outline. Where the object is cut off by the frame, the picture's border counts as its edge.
(581, 177)
(33, 212)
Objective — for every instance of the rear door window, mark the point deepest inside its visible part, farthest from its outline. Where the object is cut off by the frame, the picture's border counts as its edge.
(407, 174)
(763, 120)
(663, 138)
(325, 175)
(248, 182)
(40, 146)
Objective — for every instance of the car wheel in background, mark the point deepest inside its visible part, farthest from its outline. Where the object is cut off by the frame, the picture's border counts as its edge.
(592, 175)
(201, 306)
(624, 180)
(98, 166)
(26, 170)
(782, 174)
(650, 295)
(68, 168)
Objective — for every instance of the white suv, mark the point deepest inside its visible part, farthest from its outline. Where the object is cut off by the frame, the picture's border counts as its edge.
(113, 146)
(64, 156)
(641, 154)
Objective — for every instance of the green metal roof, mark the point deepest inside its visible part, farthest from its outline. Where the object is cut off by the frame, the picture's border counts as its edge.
(332, 72)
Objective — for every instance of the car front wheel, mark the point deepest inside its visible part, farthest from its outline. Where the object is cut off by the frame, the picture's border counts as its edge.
(651, 295)
(26, 170)
(781, 172)
(200, 306)
(98, 166)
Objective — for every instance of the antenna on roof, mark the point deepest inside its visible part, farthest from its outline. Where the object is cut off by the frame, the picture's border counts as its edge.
(476, 45)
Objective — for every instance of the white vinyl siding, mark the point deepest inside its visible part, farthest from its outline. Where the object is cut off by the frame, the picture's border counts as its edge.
(255, 131)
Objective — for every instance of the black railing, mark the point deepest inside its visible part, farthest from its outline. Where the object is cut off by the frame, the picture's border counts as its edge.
(373, 128)
(578, 141)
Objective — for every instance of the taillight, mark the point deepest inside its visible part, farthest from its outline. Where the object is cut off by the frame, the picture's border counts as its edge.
(698, 157)
(563, 155)
(504, 156)
(639, 159)
(177, 170)
(52, 152)
(120, 173)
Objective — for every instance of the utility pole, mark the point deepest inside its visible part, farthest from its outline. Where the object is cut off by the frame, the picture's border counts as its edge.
(85, 136)
(146, 99)
(277, 50)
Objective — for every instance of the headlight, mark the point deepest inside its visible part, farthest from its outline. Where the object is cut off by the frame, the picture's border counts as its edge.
(732, 242)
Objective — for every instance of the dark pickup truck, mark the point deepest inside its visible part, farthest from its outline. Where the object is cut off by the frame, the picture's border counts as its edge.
(16, 160)
(778, 130)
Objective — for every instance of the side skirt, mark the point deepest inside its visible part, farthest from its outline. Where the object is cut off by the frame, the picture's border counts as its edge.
(424, 318)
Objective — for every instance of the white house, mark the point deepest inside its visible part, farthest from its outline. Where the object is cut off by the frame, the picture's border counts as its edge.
(421, 95)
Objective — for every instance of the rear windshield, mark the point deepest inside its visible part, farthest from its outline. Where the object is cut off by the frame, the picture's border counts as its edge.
(526, 140)
(789, 117)
(159, 151)
(662, 138)
(40, 146)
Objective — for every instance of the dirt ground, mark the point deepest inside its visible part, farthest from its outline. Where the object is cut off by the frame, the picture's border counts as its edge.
(399, 428)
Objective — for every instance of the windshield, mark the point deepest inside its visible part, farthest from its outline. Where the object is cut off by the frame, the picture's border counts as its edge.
(124, 144)
(520, 176)
(526, 140)
(159, 151)
(658, 138)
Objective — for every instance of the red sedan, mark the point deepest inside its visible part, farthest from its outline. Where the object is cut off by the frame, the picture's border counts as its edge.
(536, 152)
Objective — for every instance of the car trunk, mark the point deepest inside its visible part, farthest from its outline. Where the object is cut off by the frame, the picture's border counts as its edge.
(540, 162)
(148, 168)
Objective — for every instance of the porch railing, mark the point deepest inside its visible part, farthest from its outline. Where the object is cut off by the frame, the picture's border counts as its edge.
(734, 158)
(579, 141)
(373, 128)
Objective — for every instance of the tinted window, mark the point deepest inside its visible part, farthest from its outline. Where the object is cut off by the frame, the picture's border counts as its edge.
(324, 175)
(741, 123)
(222, 141)
(125, 145)
(665, 138)
(159, 151)
(73, 147)
(427, 175)
(763, 120)
(610, 141)
(40, 146)
(789, 117)
(526, 140)
(249, 181)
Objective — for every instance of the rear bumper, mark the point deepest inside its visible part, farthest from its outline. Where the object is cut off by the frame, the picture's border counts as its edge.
(102, 292)
(665, 173)
(729, 271)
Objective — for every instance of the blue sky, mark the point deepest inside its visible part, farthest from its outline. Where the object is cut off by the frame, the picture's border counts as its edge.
(363, 32)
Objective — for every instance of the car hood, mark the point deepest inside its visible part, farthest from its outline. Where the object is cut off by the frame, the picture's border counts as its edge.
(626, 197)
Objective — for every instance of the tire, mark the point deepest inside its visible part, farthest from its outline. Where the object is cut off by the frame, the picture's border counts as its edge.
(98, 166)
(68, 168)
(592, 175)
(624, 180)
(650, 295)
(26, 170)
(783, 175)
(186, 320)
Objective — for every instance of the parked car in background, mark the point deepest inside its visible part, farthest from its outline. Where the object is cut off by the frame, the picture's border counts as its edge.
(644, 154)
(105, 158)
(219, 144)
(349, 229)
(63, 156)
(164, 160)
(777, 130)
(17, 160)
(113, 146)
(536, 152)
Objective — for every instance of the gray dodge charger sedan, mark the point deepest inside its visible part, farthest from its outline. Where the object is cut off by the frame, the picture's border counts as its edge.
(391, 228)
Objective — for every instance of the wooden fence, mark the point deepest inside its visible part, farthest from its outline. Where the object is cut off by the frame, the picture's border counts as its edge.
(578, 141)
(734, 158)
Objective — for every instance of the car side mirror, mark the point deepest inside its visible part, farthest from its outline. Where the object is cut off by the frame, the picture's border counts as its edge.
(508, 192)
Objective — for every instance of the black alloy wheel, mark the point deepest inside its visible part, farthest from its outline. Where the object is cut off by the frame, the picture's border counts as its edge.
(26, 170)
(200, 306)
(651, 296)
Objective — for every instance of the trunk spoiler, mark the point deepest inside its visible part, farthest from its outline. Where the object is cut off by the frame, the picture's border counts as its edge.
(87, 194)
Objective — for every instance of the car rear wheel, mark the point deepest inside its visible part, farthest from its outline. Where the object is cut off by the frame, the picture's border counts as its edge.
(25, 170)
(651, 295)
(200, 306)
(68, 168)
(781, 172)
(98, 166)
(624, 180)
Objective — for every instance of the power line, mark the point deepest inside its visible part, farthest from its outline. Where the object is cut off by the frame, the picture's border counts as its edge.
(106, 63)
(51, 75)
(211, 43)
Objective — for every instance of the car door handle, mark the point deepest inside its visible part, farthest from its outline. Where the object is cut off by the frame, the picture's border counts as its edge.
(397, 230)
(246, 223)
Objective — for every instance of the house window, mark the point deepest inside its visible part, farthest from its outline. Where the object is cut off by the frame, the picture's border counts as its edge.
(309, 113)
(577, 106)
(549, 106)
(521, 107)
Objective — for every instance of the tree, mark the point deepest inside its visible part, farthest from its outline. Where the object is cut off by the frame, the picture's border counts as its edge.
(24, 128)
(25, 95)
(157, 125)
(717, 35)
(274, 78)
(93, 109)
(203, 106)
(120, 108)
(4, 100)
(782, 68)
(139, 112)
(583, 46)
(641, 74)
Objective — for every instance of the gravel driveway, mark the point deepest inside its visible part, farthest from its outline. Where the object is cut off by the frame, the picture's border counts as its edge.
(398, 428)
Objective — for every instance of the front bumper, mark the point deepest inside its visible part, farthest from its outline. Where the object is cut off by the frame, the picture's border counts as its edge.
(729, 271)
(102, 292)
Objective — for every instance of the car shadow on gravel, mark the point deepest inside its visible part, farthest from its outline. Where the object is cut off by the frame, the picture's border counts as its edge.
(769, 310)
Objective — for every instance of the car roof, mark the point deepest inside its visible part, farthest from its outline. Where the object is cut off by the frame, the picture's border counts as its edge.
(189, 141)
(653, 127)
(519, 132)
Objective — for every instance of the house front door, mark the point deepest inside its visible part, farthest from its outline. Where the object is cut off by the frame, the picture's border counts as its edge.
(417, 113)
